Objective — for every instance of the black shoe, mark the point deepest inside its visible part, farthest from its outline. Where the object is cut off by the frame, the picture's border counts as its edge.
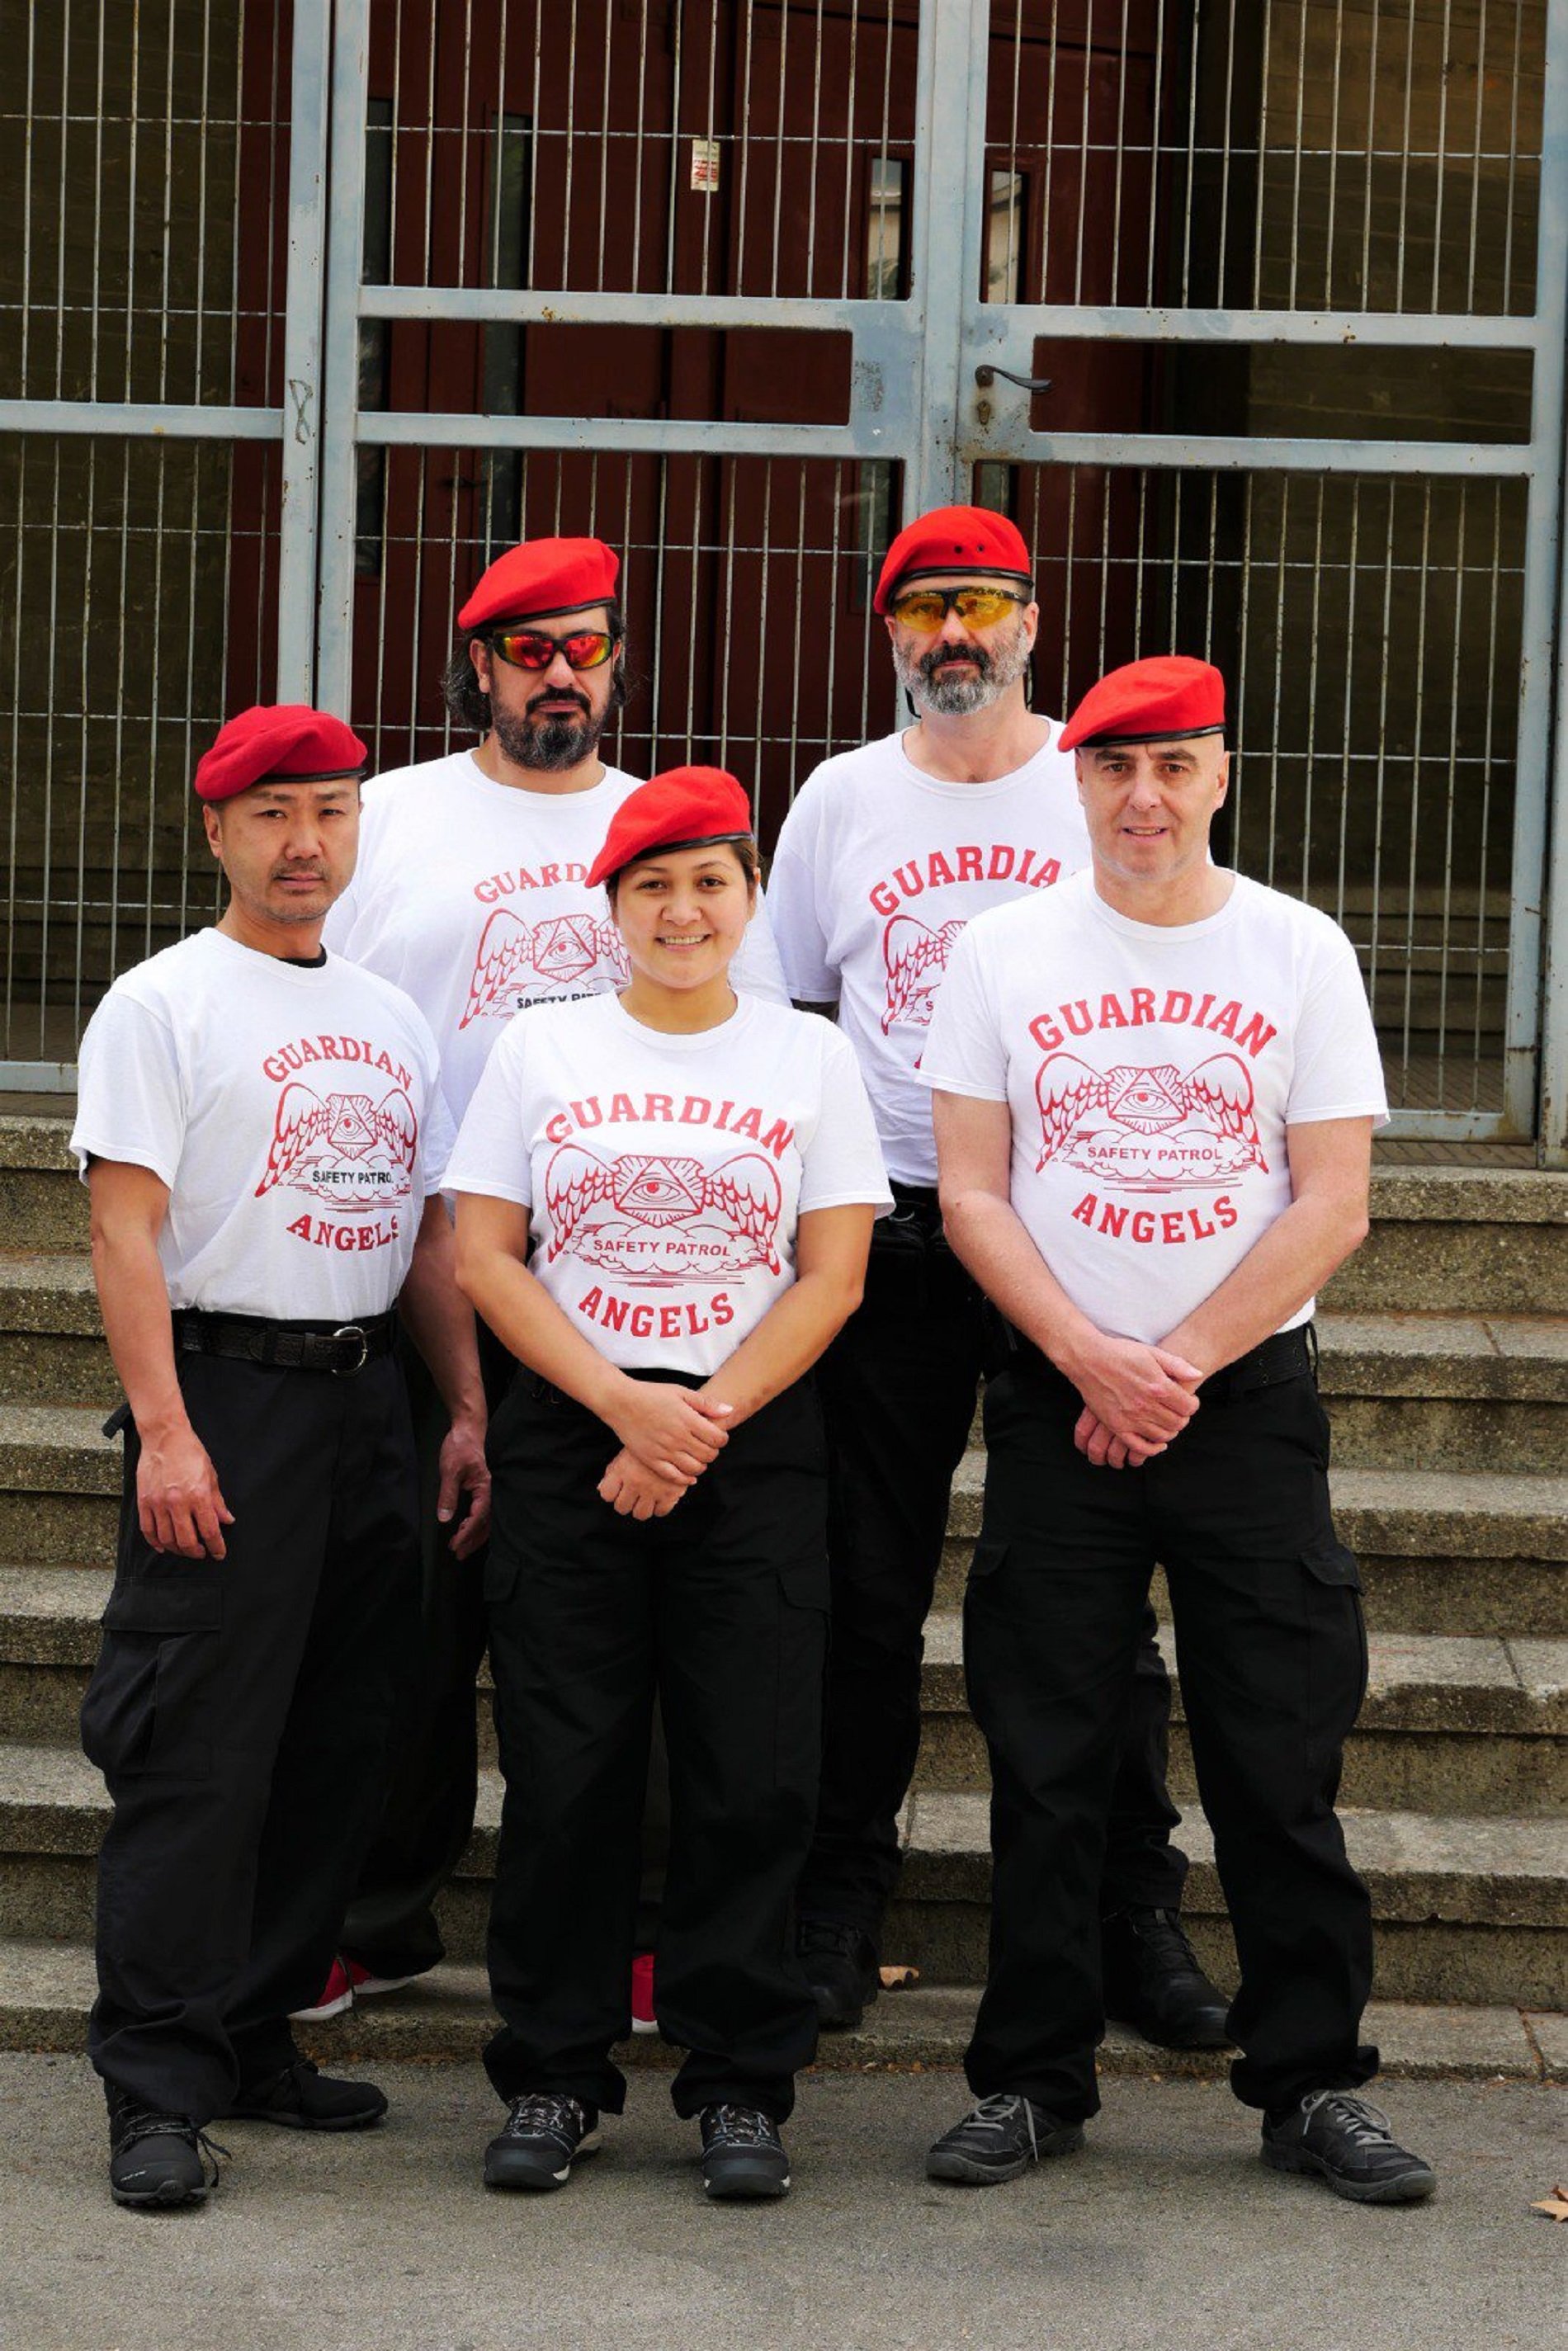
(543, 2136)
(1348, 2142)
(157, 2158)
(299, 2098)
(1003, 2136)
(1153, 1982)
(743, 2153)
(840, 1964)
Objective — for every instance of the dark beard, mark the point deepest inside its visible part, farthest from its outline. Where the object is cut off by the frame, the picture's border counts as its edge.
(549, 744)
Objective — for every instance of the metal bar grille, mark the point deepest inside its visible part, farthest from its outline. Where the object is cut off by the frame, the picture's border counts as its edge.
(143, 464)
(1370, 631)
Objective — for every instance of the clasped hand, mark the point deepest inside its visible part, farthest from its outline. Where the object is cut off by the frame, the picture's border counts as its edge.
(1137, 1400)
(669, 1434)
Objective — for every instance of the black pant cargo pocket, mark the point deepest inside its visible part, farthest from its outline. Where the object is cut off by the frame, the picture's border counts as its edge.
(148, 1704)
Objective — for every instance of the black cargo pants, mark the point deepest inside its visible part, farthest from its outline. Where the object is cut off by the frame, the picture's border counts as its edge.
(898, 1388)
(721, 1610)
(239, 1711)
(1272, 1657)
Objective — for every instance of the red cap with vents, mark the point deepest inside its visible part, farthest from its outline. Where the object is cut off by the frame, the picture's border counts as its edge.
(953, 539)
(285, 742)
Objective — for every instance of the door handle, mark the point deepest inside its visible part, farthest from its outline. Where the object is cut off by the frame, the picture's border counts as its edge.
(986, 376)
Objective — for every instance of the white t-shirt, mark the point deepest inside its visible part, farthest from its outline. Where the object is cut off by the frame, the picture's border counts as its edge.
(665, 1174)
(1152, 1074)
(472, 896)
(295, 1115)
(877, 871)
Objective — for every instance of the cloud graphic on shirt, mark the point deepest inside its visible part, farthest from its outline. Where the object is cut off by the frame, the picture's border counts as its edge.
(1198, 1126)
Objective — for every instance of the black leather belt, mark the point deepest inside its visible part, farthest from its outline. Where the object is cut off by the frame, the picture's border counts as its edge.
(1288, 1355)
(286, 1346)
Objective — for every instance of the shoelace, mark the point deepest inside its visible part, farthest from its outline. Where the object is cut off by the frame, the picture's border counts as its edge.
(740, 2127)
(539, 2114)
(151, 2123)
(1367, 2124)
(1159, 1932)
(996, 2111)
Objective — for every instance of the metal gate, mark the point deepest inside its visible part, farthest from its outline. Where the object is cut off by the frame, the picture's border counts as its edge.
(738, 287)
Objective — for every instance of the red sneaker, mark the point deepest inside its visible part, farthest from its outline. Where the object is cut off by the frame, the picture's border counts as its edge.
(643, 2017)
(365, 1985)
(336, 1994)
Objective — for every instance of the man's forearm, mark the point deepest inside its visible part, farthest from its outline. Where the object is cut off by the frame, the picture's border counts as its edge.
(440, 1319)
(1274, 1281)
(992, 1241)
(133, 1298)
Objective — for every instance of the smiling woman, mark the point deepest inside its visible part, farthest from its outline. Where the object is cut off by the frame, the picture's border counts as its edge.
(662, 1522)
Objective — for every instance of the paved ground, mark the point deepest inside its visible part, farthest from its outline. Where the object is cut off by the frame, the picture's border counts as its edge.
(1166, 2234)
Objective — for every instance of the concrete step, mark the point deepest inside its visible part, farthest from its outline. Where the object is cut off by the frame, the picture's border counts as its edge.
(42, 1204)
(1469, 1909)
(1451, 1392)
(52, 1347)
(1482, 1241)
(47, 1989)
(1447, 1725)
(1440, 1552)
(1466, 1909)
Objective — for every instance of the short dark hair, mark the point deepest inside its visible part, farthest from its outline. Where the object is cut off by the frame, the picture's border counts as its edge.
(470, 708)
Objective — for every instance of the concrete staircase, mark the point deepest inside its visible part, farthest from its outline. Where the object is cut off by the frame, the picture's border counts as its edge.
(1445, 1369)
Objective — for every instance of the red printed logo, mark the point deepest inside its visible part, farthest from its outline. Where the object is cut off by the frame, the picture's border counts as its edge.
(349, 1149)
(559, 955)
(1149, 1129)
(658, 1218)
(915, 957)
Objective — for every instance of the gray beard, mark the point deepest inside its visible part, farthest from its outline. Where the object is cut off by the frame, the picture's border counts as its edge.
(551, 746)
(948, 693)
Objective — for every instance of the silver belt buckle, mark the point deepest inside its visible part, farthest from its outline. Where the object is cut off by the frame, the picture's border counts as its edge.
(353, 1330)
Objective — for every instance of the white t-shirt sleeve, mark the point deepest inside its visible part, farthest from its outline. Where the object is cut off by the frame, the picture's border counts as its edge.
(338, 928)
(131, 1098)
(1338, 1071)
(756, 966)
(842, 1166)
(491, 1155)
(964, 1053)
(793, 903)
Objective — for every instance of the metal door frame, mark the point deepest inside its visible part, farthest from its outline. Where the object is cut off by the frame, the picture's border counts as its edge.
(296, 425)
(913, 402)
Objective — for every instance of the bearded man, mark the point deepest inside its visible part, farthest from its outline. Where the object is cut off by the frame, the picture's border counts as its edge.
(888, 851)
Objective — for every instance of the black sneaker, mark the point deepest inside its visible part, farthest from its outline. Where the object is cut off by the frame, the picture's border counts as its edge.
(1350, 2144)
(840, 1965)
(1153, 1982)
(299, 2098)
(157, 2158)
(543, 2136)
(1003, 2136)
(743, 2153)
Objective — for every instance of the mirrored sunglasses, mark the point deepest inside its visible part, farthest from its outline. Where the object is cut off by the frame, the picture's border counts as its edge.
(531, 649)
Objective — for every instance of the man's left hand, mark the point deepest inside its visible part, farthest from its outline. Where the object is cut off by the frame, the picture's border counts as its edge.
(465, 1470)
(1105, 1449)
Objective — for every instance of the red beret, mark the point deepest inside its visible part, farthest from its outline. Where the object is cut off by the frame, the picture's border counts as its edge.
(278, 739)
(1154, 700)
(952, 539)
(686, 808)
(541, 578)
